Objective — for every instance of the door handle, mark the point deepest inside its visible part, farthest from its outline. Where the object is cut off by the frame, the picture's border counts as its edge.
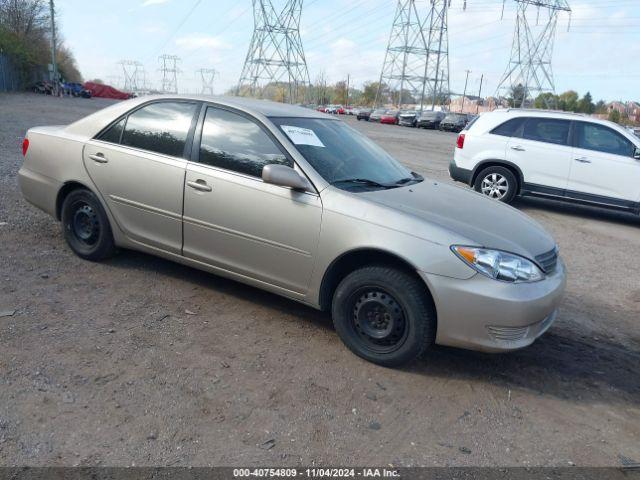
(98, 157)
(200, 185)
(518, 148)
(583, 160)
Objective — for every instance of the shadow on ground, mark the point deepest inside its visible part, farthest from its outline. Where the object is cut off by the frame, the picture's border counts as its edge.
(563, 363)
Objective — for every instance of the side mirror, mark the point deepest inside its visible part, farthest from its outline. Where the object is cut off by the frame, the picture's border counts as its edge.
(636, 153)
(285, 177)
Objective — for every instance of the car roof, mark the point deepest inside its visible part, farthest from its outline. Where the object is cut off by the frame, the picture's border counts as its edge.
(94, 123)
(488, 120)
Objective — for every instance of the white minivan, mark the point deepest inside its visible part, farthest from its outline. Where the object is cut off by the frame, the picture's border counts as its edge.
(558, 155)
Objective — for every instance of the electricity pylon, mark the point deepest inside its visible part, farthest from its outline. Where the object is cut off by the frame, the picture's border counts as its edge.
(529, 72)
(169, 70)
(207, 76)
(131, 70)
(416, 64)
(275, 57)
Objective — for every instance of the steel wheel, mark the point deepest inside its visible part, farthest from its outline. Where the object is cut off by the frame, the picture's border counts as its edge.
(85, 225)
(378, 319)
(495, 186)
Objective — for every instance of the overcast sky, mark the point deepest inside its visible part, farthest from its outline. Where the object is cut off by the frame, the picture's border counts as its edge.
(599, 53)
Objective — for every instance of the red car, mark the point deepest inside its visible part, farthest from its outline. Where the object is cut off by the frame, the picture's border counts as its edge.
(390, 117)
(321, 108)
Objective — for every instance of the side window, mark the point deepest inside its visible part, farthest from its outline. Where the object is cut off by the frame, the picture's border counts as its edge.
(547, 130)
(233, 142)
(509, 128)
(112, 135)
(161, 127)
(602, 139)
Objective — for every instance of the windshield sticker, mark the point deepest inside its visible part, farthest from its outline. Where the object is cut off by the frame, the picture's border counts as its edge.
(302, 136)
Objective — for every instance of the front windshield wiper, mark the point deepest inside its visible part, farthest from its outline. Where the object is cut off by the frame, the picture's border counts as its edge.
(365, 181)
(415, 178)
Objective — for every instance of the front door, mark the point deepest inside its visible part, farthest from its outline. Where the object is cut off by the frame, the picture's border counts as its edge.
(235, 221)
(604, 167)
(138, 166)
(542, 153)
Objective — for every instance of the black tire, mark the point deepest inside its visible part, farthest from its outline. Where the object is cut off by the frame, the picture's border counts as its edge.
(399, 318)
(85, 226)
(499, 177)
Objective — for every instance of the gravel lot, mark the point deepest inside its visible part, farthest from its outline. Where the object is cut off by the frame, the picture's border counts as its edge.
(102, 365)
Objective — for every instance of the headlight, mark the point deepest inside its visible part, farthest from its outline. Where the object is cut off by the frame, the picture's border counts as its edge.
(499, 265)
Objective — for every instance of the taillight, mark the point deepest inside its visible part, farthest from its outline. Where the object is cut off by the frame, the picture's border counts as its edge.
(25, 147)
(460, 142)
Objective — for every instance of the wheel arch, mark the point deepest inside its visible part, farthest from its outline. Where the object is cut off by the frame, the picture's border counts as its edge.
(499, 163)
(357, 258)
(64, 191)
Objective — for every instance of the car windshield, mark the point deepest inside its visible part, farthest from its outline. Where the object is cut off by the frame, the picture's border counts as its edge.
(379, 112)
(430, 115)
(391, 112)
(453, 117)
(343, 156)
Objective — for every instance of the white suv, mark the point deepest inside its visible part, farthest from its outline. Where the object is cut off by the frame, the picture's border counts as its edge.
(565, 156)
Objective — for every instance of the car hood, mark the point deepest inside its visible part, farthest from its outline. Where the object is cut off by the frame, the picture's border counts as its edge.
(480, 220)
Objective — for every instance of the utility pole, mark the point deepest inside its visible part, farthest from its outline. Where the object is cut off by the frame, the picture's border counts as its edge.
(529, 67)
(169, 69)
(479, 94)
(275, 55)
(347, 95)
(465, 90)
(54, 65)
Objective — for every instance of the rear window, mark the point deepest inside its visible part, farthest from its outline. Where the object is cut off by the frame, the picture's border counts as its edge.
(160, 127)
(509, 128)
(548, 130)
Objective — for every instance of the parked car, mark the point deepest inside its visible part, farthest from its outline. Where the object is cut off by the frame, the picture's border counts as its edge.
(390, 117)
(76, 90)
(408, 118)
(377, 114)
(563, 156)
(299, 200)
(364, 114)
(430, 119)
(454, 122)
(321, 108)
(44, 88)
(349, 111)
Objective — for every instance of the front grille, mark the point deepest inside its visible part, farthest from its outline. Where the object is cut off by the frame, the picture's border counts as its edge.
(548, 261)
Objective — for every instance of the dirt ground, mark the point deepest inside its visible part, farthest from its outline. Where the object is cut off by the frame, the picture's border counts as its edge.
(101, 364)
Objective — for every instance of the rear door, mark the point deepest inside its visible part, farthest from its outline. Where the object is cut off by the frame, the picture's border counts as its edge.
(138, 166)
(542, 152)
(235, 221)
(603, 166)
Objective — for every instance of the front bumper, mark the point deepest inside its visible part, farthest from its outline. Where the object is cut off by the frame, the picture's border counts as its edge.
(406, 122)
(450, 128)
(491, 316)
(428, 124)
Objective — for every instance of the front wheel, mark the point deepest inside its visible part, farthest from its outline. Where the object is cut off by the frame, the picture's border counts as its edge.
(384, 315)
(86, 226)
(498, 183)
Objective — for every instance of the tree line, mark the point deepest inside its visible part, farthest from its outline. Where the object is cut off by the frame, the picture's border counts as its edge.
(25, 37)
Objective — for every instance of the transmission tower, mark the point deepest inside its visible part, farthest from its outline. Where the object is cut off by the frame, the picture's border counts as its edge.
(169, 70)
(275, 57)
(529, 71)
(417, 60)
(207, 76)
(131, 70)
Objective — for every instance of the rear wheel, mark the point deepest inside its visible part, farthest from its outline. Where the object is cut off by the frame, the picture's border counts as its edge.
(498, 183)
(384, 315)
(86, 226)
